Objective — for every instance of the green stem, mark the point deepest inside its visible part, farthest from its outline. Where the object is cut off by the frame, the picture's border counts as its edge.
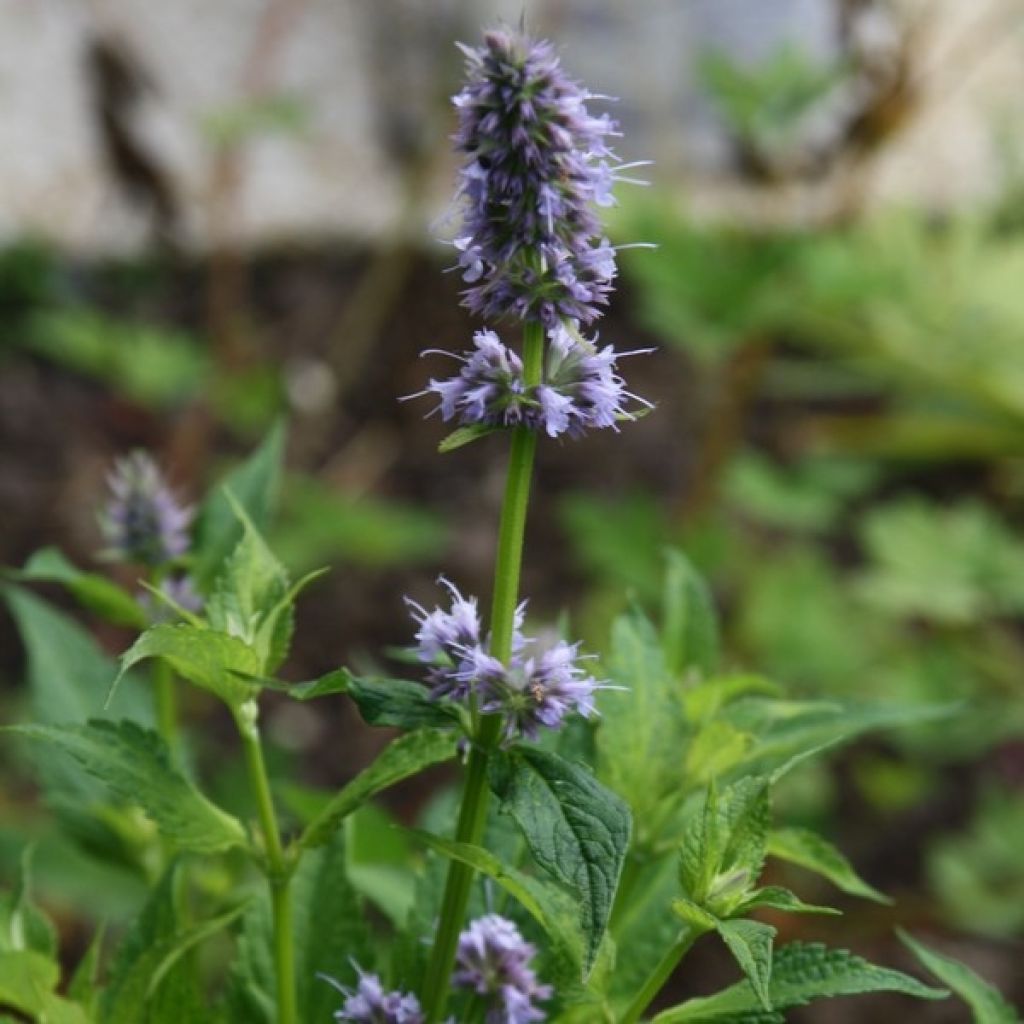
(277, 868)
(473, 812)
(654, 984)
(166, 704)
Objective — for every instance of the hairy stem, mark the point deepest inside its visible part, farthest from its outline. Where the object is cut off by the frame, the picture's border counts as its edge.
(473, 812)
(656, 981)
(277, 868)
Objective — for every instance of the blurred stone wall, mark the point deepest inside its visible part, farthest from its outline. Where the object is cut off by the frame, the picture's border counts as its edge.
(256, 120)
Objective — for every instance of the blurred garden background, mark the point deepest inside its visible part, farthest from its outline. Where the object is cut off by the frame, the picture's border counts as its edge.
(223, 224)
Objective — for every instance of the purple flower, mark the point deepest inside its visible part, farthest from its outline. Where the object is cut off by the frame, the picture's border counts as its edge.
(537, 163)
(541, 690)
(368, 1003)
(580, 389)
(143, 520)
(493, 959)
(531, 691)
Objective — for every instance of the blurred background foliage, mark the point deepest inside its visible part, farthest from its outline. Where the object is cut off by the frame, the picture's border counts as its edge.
(838, 446)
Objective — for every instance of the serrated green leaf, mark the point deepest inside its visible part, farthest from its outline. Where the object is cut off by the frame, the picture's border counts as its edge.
(750, 943)
(91, 590)
(986, 1003)
(134, 764)
(255, 484)
(777, 898)
(801, 972)
(465, 435)
(577, 831)
(809, 850)
(690, 625)
(405, 756)
(694, 916)
(401, 703)
(212, 660)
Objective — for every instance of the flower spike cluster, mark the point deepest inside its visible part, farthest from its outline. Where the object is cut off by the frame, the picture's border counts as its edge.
(537, 163)
(143, 520)
(539, 687)
(493, 960)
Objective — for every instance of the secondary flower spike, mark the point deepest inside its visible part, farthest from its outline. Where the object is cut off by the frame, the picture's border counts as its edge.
(143, 521)
(493, 959)
(537, 164)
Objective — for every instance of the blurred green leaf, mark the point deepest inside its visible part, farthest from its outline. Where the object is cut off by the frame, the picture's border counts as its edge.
(809, 850)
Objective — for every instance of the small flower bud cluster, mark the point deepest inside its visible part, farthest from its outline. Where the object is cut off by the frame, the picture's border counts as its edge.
(143, 520)
(537, 688)
(537, 162)
(368, 1003)
(493, 960)
(580, 389)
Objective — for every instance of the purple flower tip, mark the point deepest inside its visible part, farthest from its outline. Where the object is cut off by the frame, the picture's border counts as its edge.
(537, 164)
(493, 959)
(143, 521)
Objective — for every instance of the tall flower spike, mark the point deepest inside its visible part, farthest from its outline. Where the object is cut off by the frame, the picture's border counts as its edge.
(493, 959)
(537, 163)
(143, 521)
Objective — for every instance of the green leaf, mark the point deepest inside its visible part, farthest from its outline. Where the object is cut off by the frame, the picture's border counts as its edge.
(134, 764)
(250, 597)
(212, 660)
(800, 972)
(577, 831)
(777, 898)
(808, 850)
(68, 674)
(398, 702)
(25, 978)
(405, 756)
(549, 905)
(84, 986)
(750, 943)
(690, 626)
(22, 924)
(254, 484)
(642, 729)
(466, 435)
(987, 1005)
(91, 590)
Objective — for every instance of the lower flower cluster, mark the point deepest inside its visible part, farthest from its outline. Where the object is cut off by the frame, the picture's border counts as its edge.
(539, 687)
(492, 962)
(580, 390)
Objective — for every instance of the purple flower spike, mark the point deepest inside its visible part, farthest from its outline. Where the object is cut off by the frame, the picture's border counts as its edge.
(537, 164)
(368, 1003)
(143, 521)
(493, 959)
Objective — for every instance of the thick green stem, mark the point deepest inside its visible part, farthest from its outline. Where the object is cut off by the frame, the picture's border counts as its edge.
(278, 870)
(166, 704)
(654, 984)
(473, 812)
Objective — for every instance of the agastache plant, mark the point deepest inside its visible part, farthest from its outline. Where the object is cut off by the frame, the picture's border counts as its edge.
(611, 812)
